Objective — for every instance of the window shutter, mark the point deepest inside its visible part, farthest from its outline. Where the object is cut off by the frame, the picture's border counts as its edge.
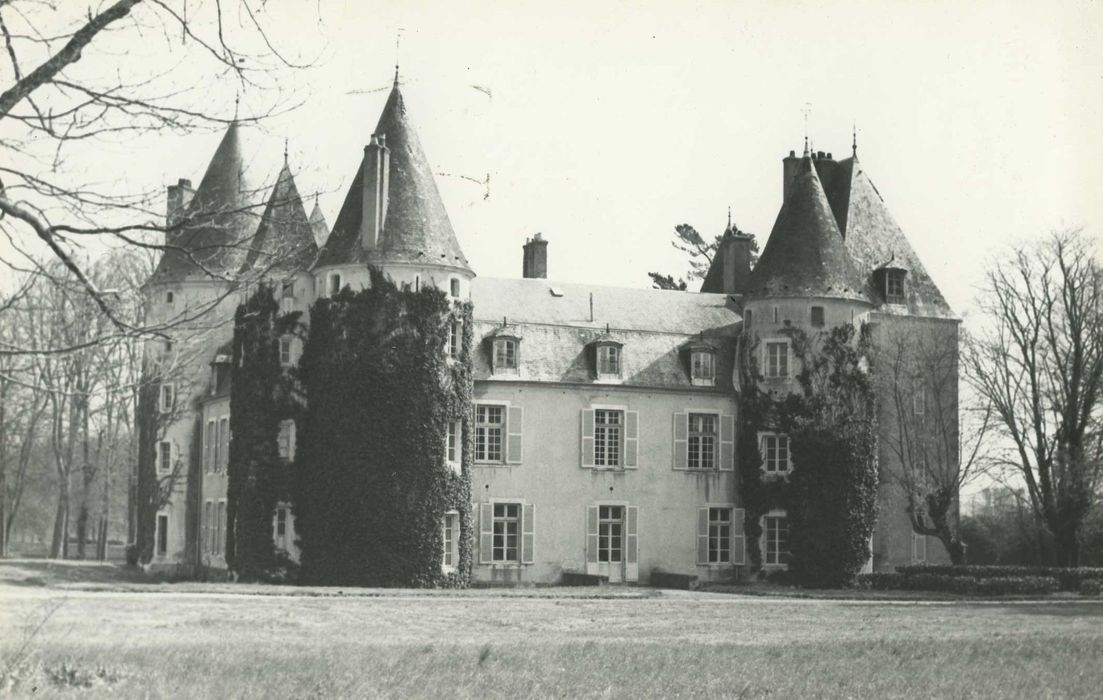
(514, 427)
(225, 444)
(681, 440)
(702, 536)
(203, 536)
(739, 545)
(486, 533)
(631, 439)
(591, 539)
(727, 443)
(588, 440)
(208, 446)
(631, 545)
(528, 532)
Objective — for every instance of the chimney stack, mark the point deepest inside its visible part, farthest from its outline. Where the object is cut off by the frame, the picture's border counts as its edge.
(178, 199)
(376, 177)
(736, 261)
(535, 262)
(789, 169)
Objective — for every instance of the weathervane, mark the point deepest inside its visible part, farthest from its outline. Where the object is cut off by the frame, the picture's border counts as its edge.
(806, 110)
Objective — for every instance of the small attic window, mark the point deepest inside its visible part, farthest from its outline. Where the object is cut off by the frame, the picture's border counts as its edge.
(702, 367)
(894, 286)
(608, 361)
(505, 355)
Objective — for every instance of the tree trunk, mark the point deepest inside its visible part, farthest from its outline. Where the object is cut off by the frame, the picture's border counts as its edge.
(1067, 546)
(59, 545)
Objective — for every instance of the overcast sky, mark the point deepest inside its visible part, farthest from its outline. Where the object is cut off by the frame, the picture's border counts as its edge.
(605, 124)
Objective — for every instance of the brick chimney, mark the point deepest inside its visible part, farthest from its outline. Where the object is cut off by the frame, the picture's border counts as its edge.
(179, 197)
(377, 162)
(535, 262)
(735, 251)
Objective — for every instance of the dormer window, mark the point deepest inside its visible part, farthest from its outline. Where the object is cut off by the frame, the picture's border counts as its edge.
(702, 365)
(505, 355)
(608, 361)
(894, 286)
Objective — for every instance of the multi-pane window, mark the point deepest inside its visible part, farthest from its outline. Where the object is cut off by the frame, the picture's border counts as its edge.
(162, 534)
(608, 433)
(720, 533)
(608, 360)
(280, 534)
(451, 542)
(224, 435)
(776, 531)
(286, 440)
(894, 286)
(703, 430)
(610, 533)
(167, 398)
(703, 367)
(285, 351)
(208, 447)
(453, 443)
(507, 532)
(489, 425)
(164, 456)
(775, 450)
(505, 355)
(455, 336)
(777, 359)
(817, 317)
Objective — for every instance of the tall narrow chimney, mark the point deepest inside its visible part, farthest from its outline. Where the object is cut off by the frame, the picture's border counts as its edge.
(535, 262)
(178, 199)
(377, 161)
(789, 166)
(736, 252)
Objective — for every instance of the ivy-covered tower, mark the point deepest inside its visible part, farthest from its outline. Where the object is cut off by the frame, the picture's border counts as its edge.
(384, 481)
(207, 234)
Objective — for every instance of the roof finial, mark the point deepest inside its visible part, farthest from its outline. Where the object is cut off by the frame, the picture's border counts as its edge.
(729, 217)
(854, 142)
(397, 52)
(237, 103)
(806, 111)
(285, 142)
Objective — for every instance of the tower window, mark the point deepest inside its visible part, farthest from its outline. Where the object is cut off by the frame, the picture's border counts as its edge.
(168, 297)
(334, 284)
(894, 286)
(454, 288)
(748, 319)
(817, 317)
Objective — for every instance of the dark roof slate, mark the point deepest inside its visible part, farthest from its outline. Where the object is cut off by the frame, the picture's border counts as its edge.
(805, 254)
(284, 241)
(416, 228)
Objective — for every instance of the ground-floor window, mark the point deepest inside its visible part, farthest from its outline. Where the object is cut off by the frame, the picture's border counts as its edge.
(451, 541)
(507, 530)
(776, 531)
(162, 534)
(279, 535)
(220, 527)
(610, 533)
(720, 532)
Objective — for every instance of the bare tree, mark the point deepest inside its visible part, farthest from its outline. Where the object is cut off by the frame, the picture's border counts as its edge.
(1039, 361)
(78, 77)
(937, 448)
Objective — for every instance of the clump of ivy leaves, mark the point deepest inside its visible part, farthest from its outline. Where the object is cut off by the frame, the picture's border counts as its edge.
(830, 498)
(372, 485)
(262, 395)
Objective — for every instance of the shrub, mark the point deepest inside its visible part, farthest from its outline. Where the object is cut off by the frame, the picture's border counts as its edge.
(961, 585)
(1091, 586)
(881, 581)
(1068, 578)
(131, 553)
(1017, 585)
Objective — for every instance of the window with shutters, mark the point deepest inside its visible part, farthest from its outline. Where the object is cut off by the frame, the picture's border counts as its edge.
(720, 540)
(164, 457)
(451, 553)
(720, 534)
(453, 446)
(279, 528)
(775, 534)
(776, 360)
(216, 448)
(167, 397)
(775, 453)
(285, 351)
(220, 527)
(507, 531)
(489, 429)
(285, 441)
(817, 317)
(703, 440)
(608, 436)
(162, 534)
(224, 436)
(610, 533)
(287, 304)
(505, 356)
(208, 528)
(703, 368)
(919, 549)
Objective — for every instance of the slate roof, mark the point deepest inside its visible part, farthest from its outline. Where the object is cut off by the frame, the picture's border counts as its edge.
(873, 237)
(318, 225)
(284, 241)
(655, 327)
(416, 228)
(805, 254)
(218, 223)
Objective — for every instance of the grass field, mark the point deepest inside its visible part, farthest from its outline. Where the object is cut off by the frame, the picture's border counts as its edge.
(89, 632)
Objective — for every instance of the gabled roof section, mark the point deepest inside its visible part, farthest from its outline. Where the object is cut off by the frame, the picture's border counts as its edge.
(805, 255)
(416, 228)
(873, 237)
(284, 241)
(215, 232)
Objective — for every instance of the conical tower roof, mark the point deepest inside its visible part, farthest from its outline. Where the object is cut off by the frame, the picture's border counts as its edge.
(318, 225)
(214, 233)
(284, 241)
(805, 255)
(416, 229)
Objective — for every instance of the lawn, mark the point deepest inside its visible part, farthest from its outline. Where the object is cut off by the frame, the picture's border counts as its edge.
(86, 632)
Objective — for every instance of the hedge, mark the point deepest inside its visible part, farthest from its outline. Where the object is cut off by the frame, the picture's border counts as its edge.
(1068, 577)
(962, 585)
